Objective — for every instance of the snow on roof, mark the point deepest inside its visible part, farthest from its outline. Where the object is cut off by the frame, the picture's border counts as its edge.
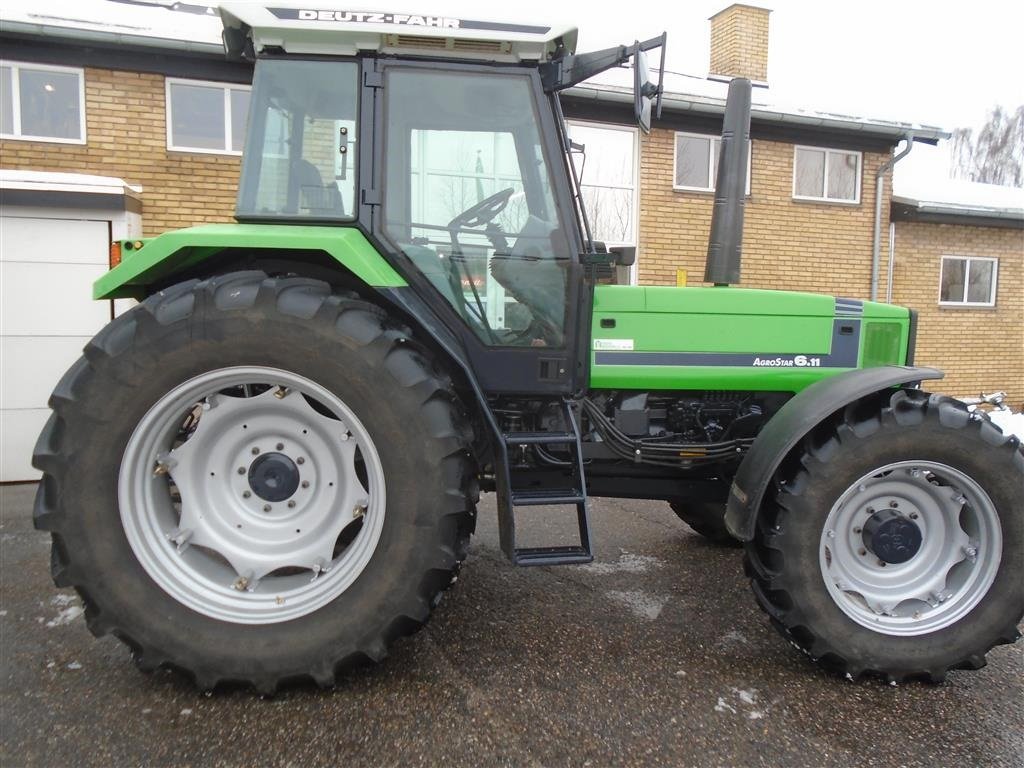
(194, 25)
(687, 93)
(957, 196)
(66, 182)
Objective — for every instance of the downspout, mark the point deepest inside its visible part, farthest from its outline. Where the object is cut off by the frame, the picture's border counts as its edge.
(892, 261)
(883, 169)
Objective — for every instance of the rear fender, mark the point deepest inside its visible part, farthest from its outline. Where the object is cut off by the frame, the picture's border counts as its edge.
(792, 423)
(161, 258)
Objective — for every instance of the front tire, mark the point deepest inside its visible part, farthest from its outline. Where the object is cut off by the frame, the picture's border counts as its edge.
(895, 543)
(313, 519)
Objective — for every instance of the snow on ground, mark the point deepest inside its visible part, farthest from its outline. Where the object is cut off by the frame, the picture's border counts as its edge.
(1011, 423)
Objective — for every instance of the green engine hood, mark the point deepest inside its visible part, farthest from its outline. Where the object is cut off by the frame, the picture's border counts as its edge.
(736, 338)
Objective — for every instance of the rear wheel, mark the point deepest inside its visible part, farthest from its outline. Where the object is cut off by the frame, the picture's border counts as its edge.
(895, 544)
(295, 489)
(706, 518)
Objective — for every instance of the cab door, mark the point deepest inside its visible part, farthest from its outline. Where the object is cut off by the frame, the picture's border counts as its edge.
(475, 205)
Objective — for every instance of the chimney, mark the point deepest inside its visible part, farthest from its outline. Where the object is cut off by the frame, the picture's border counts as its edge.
(739, 43)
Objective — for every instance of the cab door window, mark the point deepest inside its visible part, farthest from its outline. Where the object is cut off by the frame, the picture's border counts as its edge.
(468, 200)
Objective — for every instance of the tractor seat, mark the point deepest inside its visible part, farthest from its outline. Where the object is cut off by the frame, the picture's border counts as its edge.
(314, 196)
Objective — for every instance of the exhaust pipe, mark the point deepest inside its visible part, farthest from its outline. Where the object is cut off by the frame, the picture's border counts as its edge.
(724, 246)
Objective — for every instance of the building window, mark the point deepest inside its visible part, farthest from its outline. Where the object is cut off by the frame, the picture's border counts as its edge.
(968, 282)
(826, 174)
(206, 117)
(609, 183)
(42, 103)
(609, 180)
(696, 162)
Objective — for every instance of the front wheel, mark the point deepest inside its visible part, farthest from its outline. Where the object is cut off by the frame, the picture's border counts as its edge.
(895, 544)
(254, 480)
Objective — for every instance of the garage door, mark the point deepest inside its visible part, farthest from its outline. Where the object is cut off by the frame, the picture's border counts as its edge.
(47, 267)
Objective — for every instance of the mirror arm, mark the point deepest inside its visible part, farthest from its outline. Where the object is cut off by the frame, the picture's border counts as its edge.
(567, 71)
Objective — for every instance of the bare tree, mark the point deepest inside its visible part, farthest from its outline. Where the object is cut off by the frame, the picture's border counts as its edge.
(996, 154)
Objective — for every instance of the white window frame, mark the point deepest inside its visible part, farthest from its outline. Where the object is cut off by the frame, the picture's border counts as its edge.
(227, 88)
(711, 161)
(967, 274)
(634, 186)
(824, 181)
(17, 135)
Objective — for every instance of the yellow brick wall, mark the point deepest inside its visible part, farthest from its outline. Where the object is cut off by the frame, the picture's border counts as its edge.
(127, 138)
(739, 42)
(979, 348)
(787, 244)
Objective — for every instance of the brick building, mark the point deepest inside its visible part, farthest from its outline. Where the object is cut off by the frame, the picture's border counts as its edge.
(958, 257)
(151, 100)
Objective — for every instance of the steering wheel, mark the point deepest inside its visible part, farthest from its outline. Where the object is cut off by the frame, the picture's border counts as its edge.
(481, 213)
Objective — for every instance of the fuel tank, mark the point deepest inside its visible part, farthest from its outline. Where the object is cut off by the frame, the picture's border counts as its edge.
(727, 338)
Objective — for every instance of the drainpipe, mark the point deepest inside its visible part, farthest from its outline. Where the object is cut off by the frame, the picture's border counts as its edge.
(892, 261)
(883, 169)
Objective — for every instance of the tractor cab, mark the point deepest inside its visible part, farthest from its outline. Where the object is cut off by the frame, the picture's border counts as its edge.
(467, 181)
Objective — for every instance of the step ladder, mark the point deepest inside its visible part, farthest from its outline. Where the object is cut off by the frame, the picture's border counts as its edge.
(575, 494)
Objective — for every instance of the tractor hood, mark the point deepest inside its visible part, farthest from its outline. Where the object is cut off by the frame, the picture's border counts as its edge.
(719, 338)
(735, 301)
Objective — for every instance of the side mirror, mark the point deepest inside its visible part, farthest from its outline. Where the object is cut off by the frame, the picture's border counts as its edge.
(625, 255)
(643, 91)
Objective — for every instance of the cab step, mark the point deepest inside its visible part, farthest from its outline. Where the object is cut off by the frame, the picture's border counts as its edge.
(575, 495)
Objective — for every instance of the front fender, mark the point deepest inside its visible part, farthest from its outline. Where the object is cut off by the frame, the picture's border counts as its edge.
(174, 252)
(795, 420)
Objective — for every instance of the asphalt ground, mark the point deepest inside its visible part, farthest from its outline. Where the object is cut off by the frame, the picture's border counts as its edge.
(654, 655)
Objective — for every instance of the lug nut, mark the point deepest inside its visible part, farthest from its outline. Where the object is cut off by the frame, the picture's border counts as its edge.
(291, 503)
(280, 446)
(255, 451)
(305, 483)
(246, 494)
(241, 470)
(300, 460)
(266, 507)
(913, 515)
(870, 510)
(862, 551)
(893, 504)
(857, 529)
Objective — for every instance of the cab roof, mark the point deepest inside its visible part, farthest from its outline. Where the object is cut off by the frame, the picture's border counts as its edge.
(313, 29)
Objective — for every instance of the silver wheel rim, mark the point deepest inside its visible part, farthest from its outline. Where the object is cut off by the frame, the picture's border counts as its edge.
(953, 569)
(188, 483)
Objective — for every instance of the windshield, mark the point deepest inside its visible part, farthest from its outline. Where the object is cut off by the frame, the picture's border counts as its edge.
(300, 146)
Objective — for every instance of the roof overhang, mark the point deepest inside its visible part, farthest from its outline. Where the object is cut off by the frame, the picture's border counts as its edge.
(46, 189)
(910, 209)
(765, 114)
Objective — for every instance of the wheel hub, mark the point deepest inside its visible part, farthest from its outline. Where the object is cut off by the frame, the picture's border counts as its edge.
(273, 477)
(891, 537)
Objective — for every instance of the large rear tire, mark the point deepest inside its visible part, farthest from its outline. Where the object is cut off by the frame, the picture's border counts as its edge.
(895, 543)
(295, 492)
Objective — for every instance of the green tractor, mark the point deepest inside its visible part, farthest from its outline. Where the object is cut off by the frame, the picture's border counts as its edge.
(268, 469)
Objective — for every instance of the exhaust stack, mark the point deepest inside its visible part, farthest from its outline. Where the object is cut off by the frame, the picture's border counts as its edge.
(726, 242)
